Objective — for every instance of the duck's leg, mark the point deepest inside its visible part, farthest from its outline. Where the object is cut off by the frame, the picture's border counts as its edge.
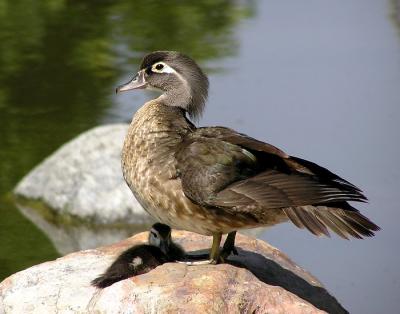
(215, 252)
(214, 256)
(229, 246)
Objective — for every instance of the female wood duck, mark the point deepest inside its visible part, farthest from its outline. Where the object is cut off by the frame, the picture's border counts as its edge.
(214, 180)
(142, 258)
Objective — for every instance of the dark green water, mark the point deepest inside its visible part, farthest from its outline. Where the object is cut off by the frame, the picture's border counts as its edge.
(59, 64)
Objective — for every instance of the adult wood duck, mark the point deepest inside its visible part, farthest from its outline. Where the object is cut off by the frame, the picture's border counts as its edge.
(214, 180)
(142, 258)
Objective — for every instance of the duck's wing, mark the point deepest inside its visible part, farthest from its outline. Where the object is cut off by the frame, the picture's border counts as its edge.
(231, 136)
(222, 168)
(272, 155)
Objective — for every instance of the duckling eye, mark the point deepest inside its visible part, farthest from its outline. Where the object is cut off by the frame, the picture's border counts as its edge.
(154, 235)
(159, 67)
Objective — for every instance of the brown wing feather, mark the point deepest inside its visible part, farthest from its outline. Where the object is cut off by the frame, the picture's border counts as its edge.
(344, 223)
(273, 189)
(240, 139)
(236, 173)
(270, 153)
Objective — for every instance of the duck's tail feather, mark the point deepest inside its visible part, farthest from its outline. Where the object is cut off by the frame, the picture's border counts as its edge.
(342, 219)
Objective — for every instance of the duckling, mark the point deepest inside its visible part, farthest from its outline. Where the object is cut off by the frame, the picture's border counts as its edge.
(160, 236)
(142, 258)
(214, 180)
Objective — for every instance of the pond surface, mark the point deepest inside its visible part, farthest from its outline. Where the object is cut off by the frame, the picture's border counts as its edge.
(320, 80)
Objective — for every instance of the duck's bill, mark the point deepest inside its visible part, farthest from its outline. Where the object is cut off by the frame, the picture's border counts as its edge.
(137, 82)
(164, 247)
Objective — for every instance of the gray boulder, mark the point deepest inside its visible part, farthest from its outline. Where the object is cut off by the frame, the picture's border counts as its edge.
(83, 179)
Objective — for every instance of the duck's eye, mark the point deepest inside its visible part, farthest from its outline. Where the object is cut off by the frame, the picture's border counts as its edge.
(154, 234)
(162, 67)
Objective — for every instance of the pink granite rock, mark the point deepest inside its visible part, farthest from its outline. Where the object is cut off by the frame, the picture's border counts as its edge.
(260, 280)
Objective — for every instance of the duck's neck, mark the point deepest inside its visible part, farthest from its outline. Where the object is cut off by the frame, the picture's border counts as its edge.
(177, 97)
(157, 116)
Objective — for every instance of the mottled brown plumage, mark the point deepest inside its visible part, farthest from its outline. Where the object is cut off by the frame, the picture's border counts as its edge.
(215, 180)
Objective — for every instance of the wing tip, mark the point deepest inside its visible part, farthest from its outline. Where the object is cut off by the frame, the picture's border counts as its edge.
(343, 222)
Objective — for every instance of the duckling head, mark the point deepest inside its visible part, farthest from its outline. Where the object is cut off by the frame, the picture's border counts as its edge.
(180, 80)
(160, 236)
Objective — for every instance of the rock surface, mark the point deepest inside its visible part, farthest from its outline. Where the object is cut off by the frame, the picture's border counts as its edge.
(260, 280)
(83, 179)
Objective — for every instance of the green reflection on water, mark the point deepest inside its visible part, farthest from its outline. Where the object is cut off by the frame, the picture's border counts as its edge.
(394, 14)
(59, 63)
(22, 244)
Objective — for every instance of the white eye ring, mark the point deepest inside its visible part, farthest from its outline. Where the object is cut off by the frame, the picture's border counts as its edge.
(161, 67)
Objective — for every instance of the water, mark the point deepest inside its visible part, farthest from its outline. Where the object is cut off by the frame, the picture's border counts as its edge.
(59, 64)
(317, 79)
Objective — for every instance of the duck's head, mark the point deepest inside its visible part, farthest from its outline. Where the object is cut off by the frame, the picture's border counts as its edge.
(180, 80)
(160, 236)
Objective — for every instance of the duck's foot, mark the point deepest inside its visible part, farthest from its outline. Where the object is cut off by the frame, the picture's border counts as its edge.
(215, 256)
(196, 263)
(202, 259)
(229, 246)
(195, 257)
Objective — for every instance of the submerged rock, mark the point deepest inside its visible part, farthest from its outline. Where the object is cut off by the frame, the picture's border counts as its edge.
(76, 236)
(260, 280)
(83, 179)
